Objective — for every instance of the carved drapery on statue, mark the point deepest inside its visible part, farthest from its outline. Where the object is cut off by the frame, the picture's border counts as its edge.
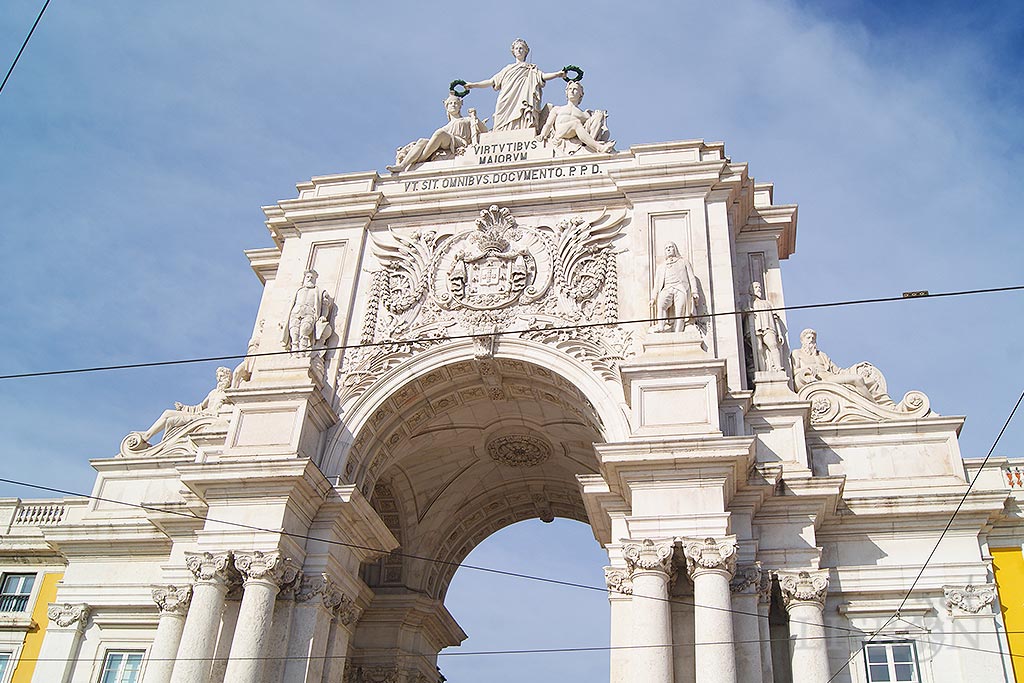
(854, 394)
(499, 277)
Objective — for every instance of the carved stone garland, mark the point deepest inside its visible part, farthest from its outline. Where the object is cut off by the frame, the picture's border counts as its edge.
(488, 280)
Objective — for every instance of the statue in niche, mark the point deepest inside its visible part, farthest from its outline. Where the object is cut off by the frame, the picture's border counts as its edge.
(765, 332)
(571, 128)
(183, 415)
(450, 139)
(675, 293)
(519, 87)
(309, 316)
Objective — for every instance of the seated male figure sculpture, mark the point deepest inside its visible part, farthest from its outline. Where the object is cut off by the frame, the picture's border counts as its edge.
(568, 122)
(452, 137)
(183, 414)
(675, 292)
(811, 365)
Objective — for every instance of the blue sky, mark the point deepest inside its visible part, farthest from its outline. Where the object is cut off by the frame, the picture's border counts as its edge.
(140, 139)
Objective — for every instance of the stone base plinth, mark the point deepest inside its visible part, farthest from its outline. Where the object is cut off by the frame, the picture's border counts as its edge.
(686, 344)
(772, 387)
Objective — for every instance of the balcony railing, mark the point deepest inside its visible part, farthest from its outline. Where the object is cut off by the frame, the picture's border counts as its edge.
(46, 514)
(1015, 477)
(13, 603)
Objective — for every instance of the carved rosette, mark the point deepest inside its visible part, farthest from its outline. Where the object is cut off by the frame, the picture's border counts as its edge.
(210, 567)
(618, 580)
(266, 567)
(648, 556)
(172, 599)
(519, 450)
(803, 586)
(709, 554)
(67, 614)
(749, 579)
(968, 599)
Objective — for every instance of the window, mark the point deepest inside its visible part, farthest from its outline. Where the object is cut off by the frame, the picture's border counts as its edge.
(5, 659)
(15, 591)
(121, 667)
(891, 661)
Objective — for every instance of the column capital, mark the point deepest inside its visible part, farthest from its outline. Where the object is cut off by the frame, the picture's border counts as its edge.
(270, 567)
(315, 588)
(803, 586)
(210, 567)
(172, 599)
(751, 578)
(969, 599)
(710, 554)
(66, 614)
(618, 580)
(648, 556)
(345, 609)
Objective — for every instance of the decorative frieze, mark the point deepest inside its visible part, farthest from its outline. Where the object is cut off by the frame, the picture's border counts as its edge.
(210, 567)
(968, 599)
(618, 581)
(67, 614)
(648, 555)
(803, 586)
(710, 554)
(269, 567)
(172, 599)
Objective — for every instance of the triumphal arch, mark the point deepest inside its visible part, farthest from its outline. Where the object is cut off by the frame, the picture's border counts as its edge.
(522, 321)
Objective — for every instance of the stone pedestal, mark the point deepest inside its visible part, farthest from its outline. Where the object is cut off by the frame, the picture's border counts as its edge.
(711, 564)
(803, 594)
(214, 575)
(772, 387)
(59, 653)
(173, 603)
(649, 563)
(263, 575)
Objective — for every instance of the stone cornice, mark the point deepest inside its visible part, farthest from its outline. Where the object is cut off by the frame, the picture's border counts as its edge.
(803, 586)
(710, 554)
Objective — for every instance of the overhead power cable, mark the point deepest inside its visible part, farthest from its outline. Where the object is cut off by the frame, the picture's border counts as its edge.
(24, 45)
(555, 328)
(963, 499)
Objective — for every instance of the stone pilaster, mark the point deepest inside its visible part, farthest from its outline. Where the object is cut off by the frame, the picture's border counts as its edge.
(803, 594)
(173, 602)
(711, 564)
(764, 605)
(344, 615)
(63, 637)
(315, 601)
(745, 587)
(214, 575)
(263, 574)
(649, 568)
(281, 630)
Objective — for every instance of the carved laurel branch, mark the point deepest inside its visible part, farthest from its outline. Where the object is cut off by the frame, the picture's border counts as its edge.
(803, 586)
(969, 599)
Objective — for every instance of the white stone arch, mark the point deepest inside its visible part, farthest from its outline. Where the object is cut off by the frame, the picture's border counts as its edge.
(603, 395)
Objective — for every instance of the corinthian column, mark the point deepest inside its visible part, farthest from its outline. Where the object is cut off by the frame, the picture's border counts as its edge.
(199, 637)
(711, 564)
(60, 646)
(803, 594)
(263, 574)
(650, 565)
(172, 602)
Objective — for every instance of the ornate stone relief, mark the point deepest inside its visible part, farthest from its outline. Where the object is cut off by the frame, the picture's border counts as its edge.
(519, 450)
(803, 586)
(710, 554)
(372, 674)
(648, 555)
(270, 567)
(210, 567)
(618, 580)
(855, 394)
(486, 281)
(180, 423)
(172, 599)
(969, 599)
(66, 614)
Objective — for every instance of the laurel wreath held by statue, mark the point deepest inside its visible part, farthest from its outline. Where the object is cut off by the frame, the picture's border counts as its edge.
(577, 73)
(456, 83)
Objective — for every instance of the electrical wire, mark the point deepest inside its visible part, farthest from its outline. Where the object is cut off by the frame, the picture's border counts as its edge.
(24, 45)
(456, 337)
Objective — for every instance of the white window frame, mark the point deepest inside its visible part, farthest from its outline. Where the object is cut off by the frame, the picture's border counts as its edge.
(30, 599)
(122, 651)
(887, 645)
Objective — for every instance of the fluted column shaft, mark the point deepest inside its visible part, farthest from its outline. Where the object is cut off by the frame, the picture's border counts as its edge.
(649, 564)
(803, 593)
(172, 602)
(711, 564)
(263, 574)
(199, 636)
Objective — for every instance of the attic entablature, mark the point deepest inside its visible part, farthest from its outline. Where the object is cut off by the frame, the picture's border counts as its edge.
(777, 221)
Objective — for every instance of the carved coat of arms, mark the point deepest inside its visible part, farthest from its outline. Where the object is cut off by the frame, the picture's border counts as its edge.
(495, 278)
